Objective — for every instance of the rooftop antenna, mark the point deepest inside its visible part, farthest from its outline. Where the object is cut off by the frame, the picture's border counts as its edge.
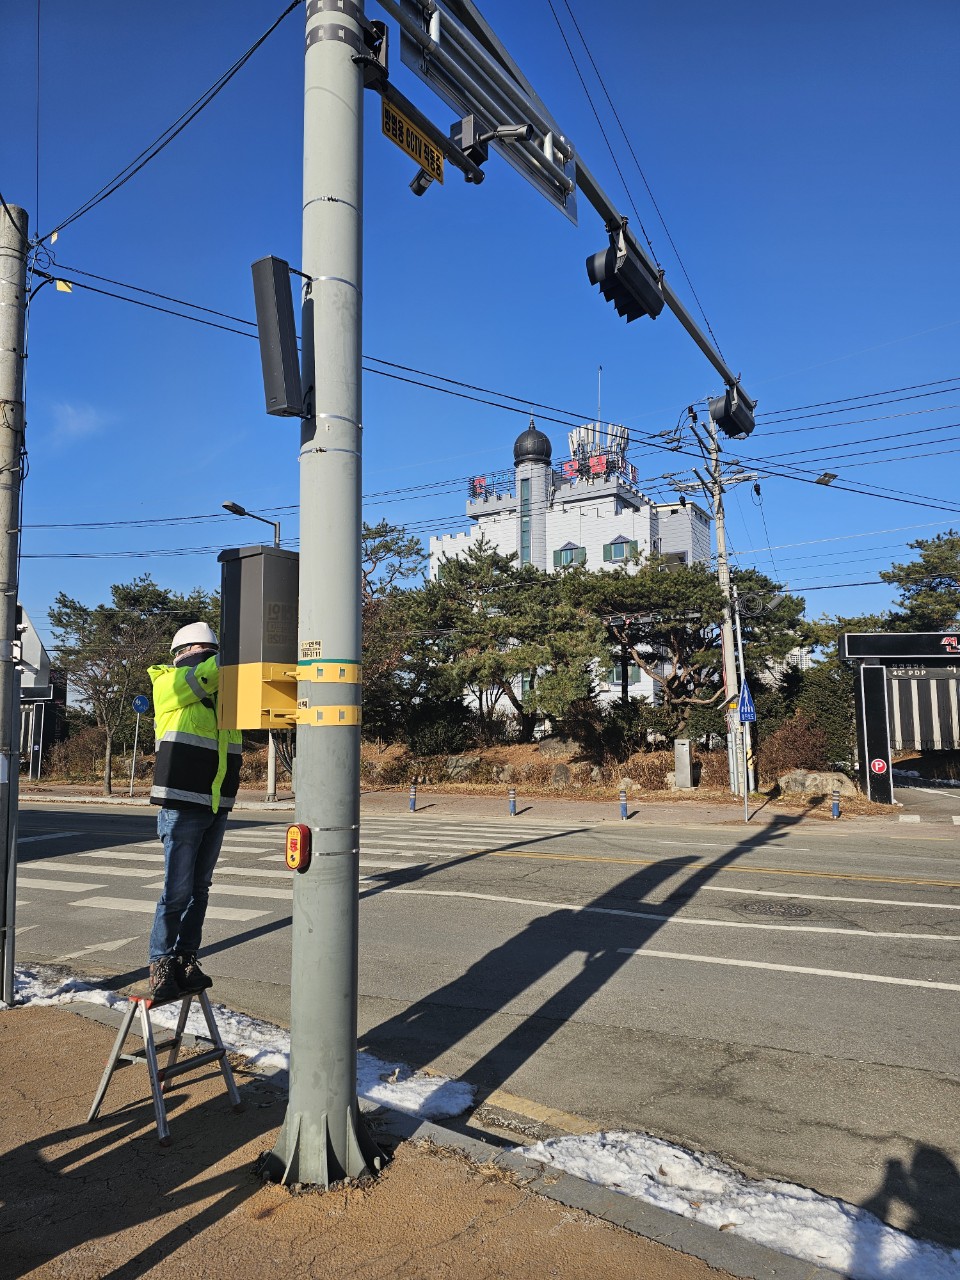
(599, 374)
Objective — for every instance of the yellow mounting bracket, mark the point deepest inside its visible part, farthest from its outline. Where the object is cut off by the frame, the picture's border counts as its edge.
(328, 717)
(329, 671)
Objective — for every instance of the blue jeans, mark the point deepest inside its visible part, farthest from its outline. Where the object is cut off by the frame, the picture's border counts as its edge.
(191, 845)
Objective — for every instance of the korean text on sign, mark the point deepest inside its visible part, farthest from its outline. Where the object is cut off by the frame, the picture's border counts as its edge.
(399, 130)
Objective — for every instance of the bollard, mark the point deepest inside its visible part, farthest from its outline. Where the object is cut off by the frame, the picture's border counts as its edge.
(623, 805)
(835, 811)
(413, 797)
(512, 794)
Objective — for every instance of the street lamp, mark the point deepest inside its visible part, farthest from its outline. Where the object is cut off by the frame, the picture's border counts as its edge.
(235, 509)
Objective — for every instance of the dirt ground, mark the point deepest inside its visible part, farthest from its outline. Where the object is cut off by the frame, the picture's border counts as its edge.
(106, 1202)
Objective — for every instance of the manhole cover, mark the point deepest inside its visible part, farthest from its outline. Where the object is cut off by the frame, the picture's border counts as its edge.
(782, 910)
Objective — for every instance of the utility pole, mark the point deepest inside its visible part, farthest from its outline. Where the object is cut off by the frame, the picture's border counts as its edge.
(713, 485)
(13, 310)
(323, 1139)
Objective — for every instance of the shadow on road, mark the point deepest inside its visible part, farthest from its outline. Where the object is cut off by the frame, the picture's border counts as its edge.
(588, 952)
(929, 1189)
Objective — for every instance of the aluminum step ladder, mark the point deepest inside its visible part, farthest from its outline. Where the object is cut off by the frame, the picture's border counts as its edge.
(160, 1077)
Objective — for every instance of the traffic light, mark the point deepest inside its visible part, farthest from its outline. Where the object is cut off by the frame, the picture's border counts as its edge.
(626, 279)
(277, 331)
(733, 413)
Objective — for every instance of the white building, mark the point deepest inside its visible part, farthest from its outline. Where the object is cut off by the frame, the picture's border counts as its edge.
(590, 512)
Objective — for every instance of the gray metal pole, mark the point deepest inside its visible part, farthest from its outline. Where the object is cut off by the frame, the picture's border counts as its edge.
(745, 727)
(271, 766)
(323, 1139)
(13, 297)
(723, 576)
(133, 762)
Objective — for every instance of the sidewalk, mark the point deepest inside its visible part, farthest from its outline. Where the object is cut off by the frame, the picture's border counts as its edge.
(440, 805)
(86, 1202)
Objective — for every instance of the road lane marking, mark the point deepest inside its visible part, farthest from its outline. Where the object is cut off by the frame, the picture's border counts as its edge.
(55, 835)
(914, 839)
(117, 855)
(24, 928)
(248, 871)
(97, 871)
(93, 948)
(743, 871)
(239, 890)
(794, 968)
(692, 921)
(29, 883)
(825, 897)
(136, 904)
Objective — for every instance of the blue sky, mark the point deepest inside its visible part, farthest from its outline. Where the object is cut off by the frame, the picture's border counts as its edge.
(803, 160)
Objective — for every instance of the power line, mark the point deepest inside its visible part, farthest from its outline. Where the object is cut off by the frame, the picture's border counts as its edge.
(646, 440)
(866, 395)
(167, 136)
(643, 176)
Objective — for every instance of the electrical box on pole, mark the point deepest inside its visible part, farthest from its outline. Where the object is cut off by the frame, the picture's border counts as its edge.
(625, 279)
(258, 638)
(277, 330)
(733, 413)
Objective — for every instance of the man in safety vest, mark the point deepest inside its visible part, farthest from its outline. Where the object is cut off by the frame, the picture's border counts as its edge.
(195, 782)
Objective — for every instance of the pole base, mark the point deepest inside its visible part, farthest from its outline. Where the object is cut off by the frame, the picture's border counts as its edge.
(305, 1156)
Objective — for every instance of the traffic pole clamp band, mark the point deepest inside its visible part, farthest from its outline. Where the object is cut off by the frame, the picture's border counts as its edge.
(329, 672)
(334, 31)
(329, 717)
(347, 7)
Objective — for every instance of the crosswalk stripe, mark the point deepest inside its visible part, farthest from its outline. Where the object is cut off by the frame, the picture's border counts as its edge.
(119, 855)
(260, 833)
(243, 848)
(137, 904)
(29, 883)
(364, 862)
(252, 871)
(52, 835)
(240, 890)
(134, 872)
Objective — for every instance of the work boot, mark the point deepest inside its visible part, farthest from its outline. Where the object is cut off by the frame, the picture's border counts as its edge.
(163, 979)
(190, 976)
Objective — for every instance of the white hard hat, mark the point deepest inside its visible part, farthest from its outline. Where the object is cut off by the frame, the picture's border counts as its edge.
(194, 633)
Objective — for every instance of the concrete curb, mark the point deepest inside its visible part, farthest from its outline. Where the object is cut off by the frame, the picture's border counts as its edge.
(856, 823)
(743, 1258)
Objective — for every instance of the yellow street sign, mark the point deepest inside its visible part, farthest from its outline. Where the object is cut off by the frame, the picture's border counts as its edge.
(408, 138)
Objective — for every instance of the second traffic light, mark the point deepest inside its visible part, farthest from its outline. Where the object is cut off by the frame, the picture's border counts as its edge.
(733, 413)
(626, 279)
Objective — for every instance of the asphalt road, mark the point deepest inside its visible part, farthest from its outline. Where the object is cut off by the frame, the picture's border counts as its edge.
(784, 997)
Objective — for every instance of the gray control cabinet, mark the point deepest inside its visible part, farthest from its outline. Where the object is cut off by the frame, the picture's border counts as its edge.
(259, 589)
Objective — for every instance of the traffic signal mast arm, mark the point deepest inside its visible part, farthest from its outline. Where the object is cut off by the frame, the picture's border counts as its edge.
(613, 219)
(462, 59)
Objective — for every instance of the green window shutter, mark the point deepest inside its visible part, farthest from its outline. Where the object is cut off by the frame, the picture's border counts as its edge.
(608, 552)
(633, 548)
(557, 560)
(580, 555)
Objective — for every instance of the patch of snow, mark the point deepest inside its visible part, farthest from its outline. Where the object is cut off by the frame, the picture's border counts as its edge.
(791, 1219)
(266, 1047)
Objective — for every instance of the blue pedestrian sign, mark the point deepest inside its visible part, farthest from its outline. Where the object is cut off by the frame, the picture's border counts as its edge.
(141, 703)
(745, 708)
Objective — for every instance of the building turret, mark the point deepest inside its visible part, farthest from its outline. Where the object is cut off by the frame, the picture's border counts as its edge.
(531, 455)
